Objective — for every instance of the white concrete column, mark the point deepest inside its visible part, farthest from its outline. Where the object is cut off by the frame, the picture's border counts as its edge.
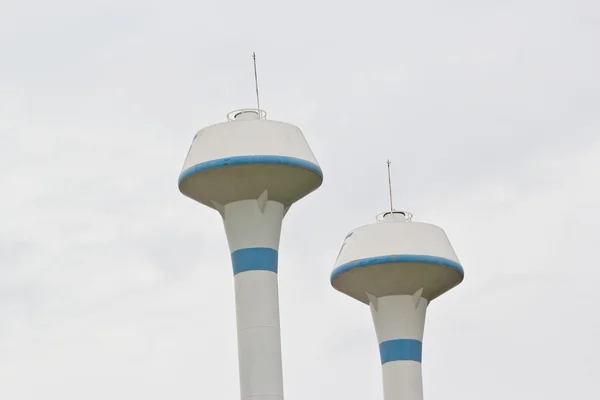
(399, 323)
(253, 229)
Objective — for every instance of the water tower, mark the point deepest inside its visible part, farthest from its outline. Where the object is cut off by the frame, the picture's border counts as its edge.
(251, 170)
(397, 267)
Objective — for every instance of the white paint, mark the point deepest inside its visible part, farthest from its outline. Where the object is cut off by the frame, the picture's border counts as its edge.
(382, 239)
(417, 297)
(219, 207)
(252, 199)
(391, 240)
(285, 165)
(247, 115)
(398, 293)
(397, 216)
(246, 226)
(243, 137)
(372, 300)
(257, 300)
(262, 201)
(396, 317)
(259, 338)
(402, 380)
(235, 114)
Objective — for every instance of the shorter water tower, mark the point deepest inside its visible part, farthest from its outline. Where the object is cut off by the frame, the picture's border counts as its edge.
(397, 267)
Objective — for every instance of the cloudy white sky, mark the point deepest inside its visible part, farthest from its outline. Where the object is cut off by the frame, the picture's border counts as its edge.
(114, 285)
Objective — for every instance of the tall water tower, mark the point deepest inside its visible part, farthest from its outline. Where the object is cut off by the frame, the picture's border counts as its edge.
(251, 170)
(397, 267)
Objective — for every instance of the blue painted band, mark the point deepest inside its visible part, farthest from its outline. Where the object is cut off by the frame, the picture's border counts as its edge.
(254, 259)
(403, 258)
(400, 350)
(250, 160)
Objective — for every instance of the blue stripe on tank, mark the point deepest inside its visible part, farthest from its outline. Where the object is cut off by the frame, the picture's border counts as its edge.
(400, 350)
(402, 258)
(254, 259)
(250, 160)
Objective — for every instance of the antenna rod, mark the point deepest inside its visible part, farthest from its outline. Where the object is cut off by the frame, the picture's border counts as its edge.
(256, 82)
(390, 185)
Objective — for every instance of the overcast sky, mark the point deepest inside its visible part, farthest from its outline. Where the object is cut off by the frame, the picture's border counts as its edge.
(114, 285)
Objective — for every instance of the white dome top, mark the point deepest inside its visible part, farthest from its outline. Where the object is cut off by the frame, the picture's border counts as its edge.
(396, 256)
(241, 158)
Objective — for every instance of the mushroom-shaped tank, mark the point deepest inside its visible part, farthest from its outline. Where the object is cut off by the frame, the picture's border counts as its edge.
(252, 170)
(397, 267)
(242, 158)
(396, 256)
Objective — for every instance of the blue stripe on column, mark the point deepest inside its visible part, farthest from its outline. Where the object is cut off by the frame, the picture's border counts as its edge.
(400, 350)
(254, 259)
